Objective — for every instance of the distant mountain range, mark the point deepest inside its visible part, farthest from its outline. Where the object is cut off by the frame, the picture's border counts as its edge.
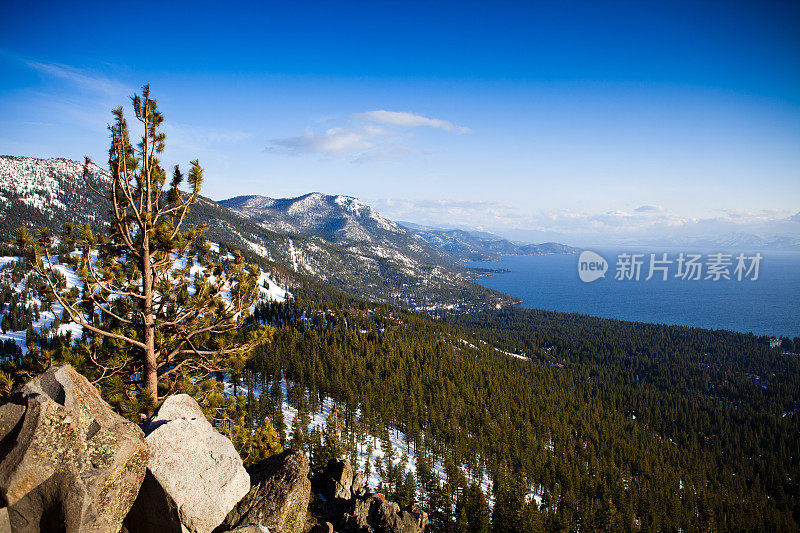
(749, 241)
(338, 240)
(482, 246)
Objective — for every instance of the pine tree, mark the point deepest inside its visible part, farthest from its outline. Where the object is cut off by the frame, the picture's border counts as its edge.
(130, 276)
(477, 509)
(407, 492)
(276, 395)
(368, 464)
(332, 436)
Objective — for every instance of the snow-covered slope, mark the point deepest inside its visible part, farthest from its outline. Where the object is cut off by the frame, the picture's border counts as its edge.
(333, 218)
(48, 192)
(338, 240)
(45, 184)
(347, 222)
(269, 290)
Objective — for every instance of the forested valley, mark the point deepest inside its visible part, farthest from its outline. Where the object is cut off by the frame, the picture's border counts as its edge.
(614, 425)
(512, 420)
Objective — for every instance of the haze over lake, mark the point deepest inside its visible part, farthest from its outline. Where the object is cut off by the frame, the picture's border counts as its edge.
(768, 306)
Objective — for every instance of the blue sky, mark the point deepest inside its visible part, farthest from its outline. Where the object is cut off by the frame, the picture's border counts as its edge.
(586, 122)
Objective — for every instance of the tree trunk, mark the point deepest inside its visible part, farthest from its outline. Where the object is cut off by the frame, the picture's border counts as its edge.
(149, 369)
(150, 374)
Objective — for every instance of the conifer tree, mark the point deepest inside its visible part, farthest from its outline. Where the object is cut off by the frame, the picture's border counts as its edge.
(477, 509)
(137, 282)
(332, 446)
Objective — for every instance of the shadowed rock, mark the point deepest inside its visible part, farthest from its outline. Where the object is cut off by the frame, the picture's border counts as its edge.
(338, 479)
(67, 461)
(327, 527)
(373, 513)
(346, 504)
(278, 497)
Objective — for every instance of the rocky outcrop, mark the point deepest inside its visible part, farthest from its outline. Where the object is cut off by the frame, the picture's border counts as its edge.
(194, 476)
(338, 480)
(69, 464)
(278, 497)
(347, 505)
(67, 461)
(373, 513)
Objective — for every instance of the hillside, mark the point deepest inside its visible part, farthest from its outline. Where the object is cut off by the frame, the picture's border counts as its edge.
(345, 221)
(336, 240)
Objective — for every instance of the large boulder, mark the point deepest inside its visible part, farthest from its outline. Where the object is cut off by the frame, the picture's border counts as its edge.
(194, 476)
(278, 497)
(338, 480)
(67, 461)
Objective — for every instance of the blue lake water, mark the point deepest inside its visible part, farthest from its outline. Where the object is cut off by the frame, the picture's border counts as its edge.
(769, 305)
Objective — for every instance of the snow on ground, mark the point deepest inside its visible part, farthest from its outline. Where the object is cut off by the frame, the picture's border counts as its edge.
(291, 253)
(496, 349)
(258, 249)
(269, 290)
(399, 445)
(46, 318)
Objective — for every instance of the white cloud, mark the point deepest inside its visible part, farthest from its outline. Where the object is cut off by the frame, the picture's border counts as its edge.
(449, 213)
(408, 120)
(370, 136)
(334, 141)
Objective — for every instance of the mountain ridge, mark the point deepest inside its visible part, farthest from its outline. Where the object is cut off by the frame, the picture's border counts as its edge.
(50, 192)
(357, 222)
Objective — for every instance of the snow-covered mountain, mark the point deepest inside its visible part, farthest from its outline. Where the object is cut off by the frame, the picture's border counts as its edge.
(335, 239)
(344, 221)
(335, 218)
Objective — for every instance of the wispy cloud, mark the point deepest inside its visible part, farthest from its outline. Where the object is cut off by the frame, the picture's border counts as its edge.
(98, 93)
(68, 97)
(333, 141)
(88, 81)
(408, 120)
(450, 213)
(370, 136)
(649, 209)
